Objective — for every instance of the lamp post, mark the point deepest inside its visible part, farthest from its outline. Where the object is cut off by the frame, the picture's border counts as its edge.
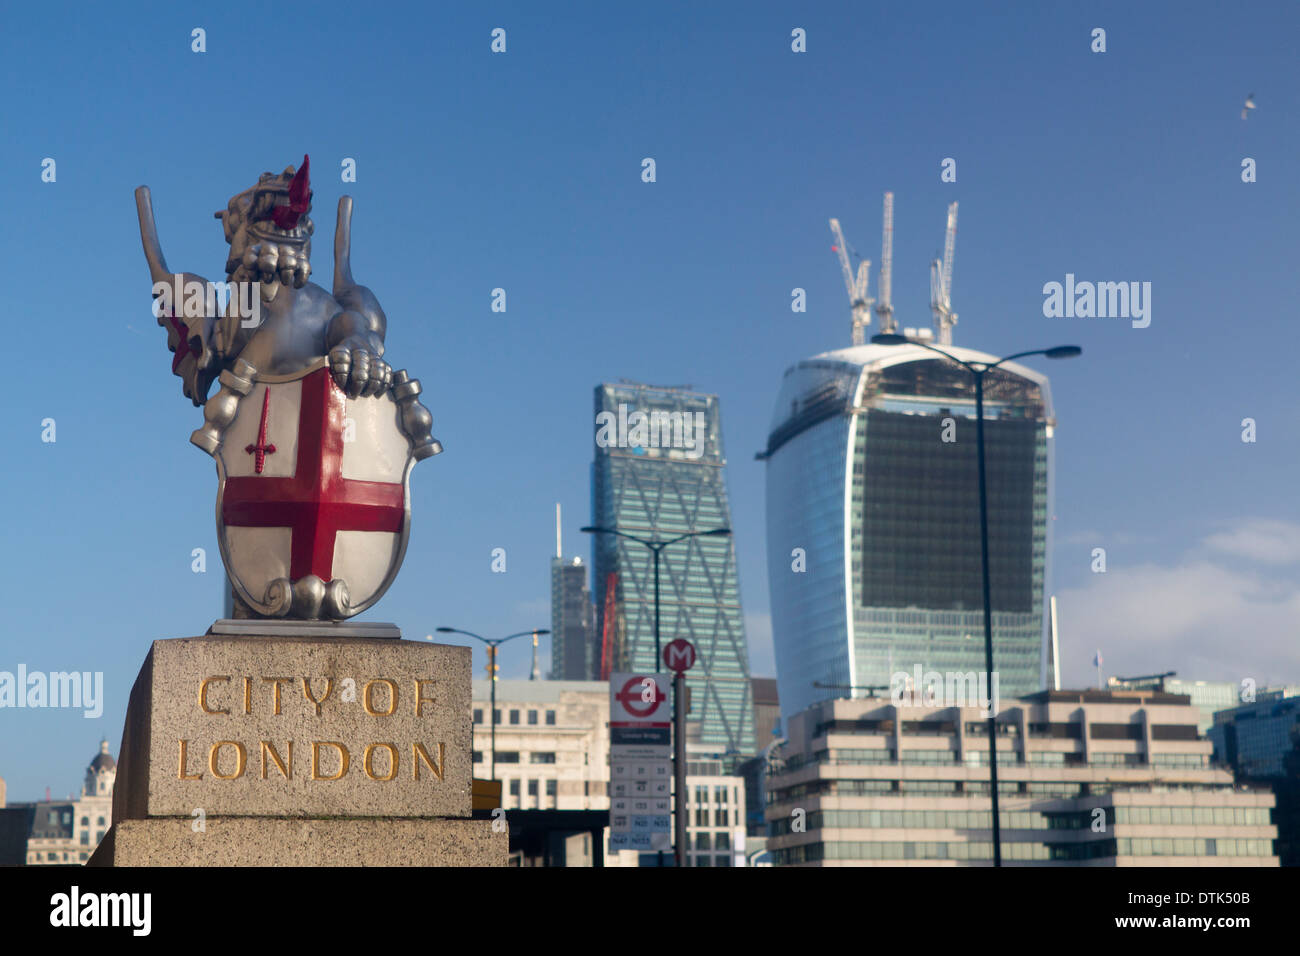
(493, 644)
(979, 370)
(679, 768)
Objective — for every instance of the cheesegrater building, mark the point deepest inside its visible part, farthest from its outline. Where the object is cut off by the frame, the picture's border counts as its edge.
(873, 521)
(658, 473)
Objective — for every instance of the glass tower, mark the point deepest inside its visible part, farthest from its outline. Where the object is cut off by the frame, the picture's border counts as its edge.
(873, 521)
(658, 473)
(572, 653)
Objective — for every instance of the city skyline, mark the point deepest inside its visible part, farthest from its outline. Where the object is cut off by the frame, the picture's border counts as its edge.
(523, 172)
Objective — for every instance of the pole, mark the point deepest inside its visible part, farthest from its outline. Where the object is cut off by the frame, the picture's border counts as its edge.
(659, 858)
(988, 615)
(656, 551)
(492, 676)
(679, 766)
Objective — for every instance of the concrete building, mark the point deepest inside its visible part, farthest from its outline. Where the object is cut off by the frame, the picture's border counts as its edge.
(715, 822)
(552, 750)
(553, 755)
(1086, 778)
(66, 832)
(1207, 696)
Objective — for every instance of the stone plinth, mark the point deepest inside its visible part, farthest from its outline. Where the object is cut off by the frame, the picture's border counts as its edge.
(243, 841)
(242, 750)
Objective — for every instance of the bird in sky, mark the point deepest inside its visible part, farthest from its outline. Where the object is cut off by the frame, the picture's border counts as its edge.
(1250, 105)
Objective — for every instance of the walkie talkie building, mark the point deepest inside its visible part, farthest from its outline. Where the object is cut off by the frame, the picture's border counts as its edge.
(873, 521)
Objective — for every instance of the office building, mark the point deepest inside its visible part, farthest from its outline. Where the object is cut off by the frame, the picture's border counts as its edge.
(1207, 696)
(1085, 778)
(1254, 739)
(659, 473)
(873, 520)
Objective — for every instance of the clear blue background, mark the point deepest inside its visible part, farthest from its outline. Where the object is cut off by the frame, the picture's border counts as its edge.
(522, 171)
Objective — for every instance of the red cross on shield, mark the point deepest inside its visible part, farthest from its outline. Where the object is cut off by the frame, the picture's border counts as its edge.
(313, 506)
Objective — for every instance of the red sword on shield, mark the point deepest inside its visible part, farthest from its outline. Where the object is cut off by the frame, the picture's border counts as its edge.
(261, 449)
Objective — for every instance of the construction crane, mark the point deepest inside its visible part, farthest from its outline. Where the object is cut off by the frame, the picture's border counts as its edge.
(857, 287)
(885, 308)
(941, 283)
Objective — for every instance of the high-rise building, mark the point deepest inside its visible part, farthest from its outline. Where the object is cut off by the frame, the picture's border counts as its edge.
(658, 473)
(873, 520)
(573, 654)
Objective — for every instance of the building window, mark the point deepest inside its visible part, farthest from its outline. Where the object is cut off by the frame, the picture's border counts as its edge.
(542, 756)
(85, 821)
(551, 788)
(720, 817)
(507, 756)
(532, 717)
(702, 841)
(532, 788)
(514, 716)
(722, 861)
(514, 788)
(722, 841)
(550, 718)
(85, 838)
(478, 756)
(478, 715)
(100, 821)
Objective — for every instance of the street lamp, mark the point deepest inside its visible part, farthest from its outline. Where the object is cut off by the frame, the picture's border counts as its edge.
(679, 746)
(493, 644)
(978, 370)
(656, 547)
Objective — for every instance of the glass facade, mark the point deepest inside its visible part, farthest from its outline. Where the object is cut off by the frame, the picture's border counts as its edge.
(574, 654)
(658, 473)
(873, 521)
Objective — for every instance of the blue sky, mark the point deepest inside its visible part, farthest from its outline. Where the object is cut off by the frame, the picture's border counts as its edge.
(522, 171)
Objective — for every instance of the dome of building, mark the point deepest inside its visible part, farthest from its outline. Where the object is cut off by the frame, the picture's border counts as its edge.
(103, 760)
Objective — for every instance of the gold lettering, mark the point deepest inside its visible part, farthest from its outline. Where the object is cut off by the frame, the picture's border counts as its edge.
(180, 773)
(248, 695)
(203, 695)
(315, 759)
(277, 681)
(420, 699)
(306, 690)
(392, 697)
(392, 761)
(241, 759)
(269, 748)
(418, 753)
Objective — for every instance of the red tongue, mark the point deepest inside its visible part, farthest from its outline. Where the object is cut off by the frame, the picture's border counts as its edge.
(286, 217)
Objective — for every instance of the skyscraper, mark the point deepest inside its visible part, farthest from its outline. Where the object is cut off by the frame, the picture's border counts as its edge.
(658, 473)
(572, 652)
(873, 521)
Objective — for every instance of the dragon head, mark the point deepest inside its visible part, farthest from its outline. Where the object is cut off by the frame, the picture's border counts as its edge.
(269, 231)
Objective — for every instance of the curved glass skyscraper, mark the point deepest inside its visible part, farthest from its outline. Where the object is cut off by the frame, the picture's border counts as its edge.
(873, 521)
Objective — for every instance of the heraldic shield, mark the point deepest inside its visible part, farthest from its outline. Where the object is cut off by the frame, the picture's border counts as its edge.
(313, 505)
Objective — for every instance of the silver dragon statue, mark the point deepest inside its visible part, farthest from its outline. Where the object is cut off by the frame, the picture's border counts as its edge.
(313, 433)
